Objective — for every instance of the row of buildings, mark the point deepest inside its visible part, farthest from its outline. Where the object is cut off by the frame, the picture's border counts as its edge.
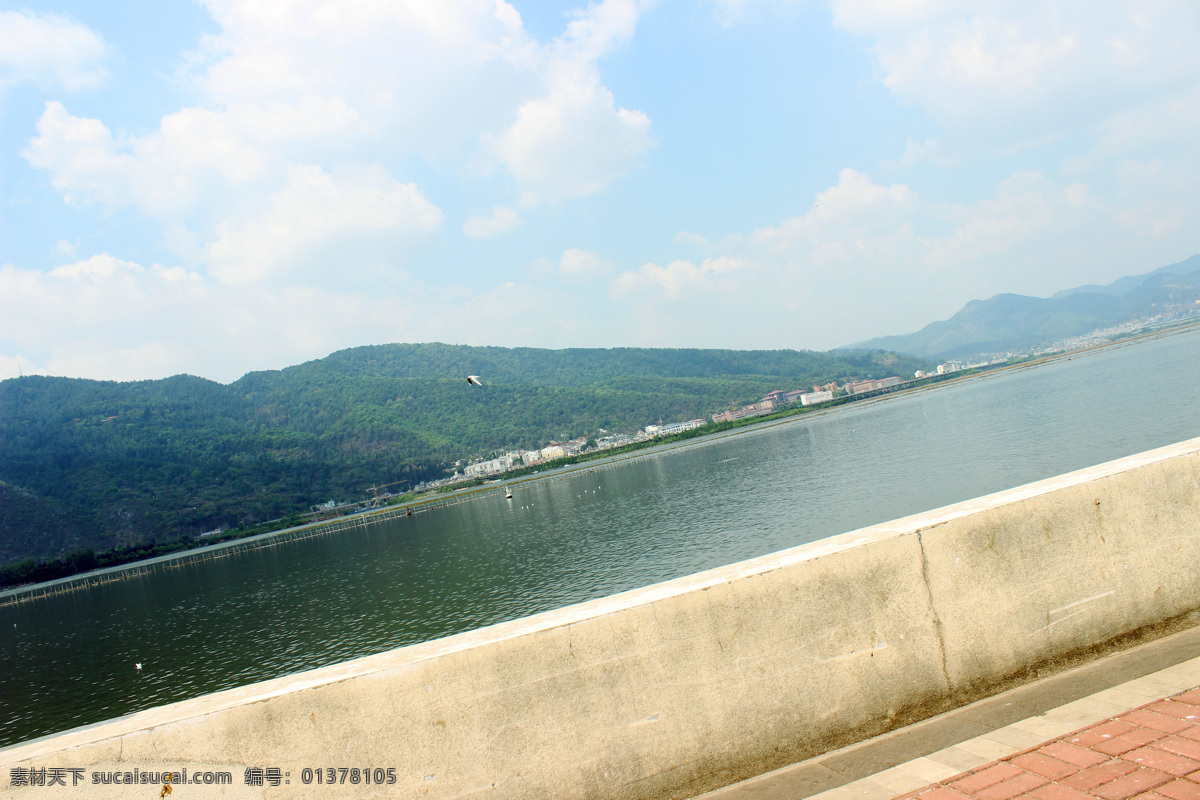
(523, 458)
(772, 402)
(1179, 316)
(820, 394)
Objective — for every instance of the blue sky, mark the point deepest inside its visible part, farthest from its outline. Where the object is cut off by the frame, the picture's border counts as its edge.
(217, 187)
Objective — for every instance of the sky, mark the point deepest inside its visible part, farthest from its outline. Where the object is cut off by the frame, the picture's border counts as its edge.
(222, 186)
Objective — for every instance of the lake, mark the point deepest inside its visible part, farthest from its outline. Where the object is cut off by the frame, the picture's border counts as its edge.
(68, 660)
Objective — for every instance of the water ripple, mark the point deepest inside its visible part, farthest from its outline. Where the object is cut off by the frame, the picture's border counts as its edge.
(69, 660)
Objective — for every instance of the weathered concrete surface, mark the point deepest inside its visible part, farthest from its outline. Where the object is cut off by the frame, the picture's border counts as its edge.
(684, 686)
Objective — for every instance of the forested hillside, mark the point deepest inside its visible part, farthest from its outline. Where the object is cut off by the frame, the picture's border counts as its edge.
(96, 464)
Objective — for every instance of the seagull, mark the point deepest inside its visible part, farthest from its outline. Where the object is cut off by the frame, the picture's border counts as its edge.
(473, 380)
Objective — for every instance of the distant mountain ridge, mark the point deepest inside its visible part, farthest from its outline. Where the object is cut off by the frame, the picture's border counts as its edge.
(1130, 282)
(1016, 322)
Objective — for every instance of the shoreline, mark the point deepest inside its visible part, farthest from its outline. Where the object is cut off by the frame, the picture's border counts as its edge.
(173, 560)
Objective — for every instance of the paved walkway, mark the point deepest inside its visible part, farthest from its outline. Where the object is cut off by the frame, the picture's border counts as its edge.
(1152, 752)
(1115, 729)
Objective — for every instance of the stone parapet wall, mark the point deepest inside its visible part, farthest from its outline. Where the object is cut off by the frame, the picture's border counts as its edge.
(680, 687)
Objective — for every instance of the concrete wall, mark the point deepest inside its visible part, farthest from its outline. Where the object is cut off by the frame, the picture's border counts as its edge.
(680, 687)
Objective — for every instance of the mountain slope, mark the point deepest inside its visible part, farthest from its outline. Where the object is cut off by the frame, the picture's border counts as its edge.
(1127, 284)
(1017, 322)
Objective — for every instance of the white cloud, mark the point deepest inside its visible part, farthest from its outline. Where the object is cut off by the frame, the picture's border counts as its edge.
(82, 158)
(16, 366)
(927, 152)
(97, 268)
(866, 259)
(1157, 202)
(1167, 127)
(869, 259)
(539, 110)
(583, 262)
(108, 318)
(679, 277)
(598, 29)
(1028, 211)
(395, 63)
(50, 50)
(574, 265)
(1022, 71)
(254, 36)
(320, 138)
(305, 222)
(354, 88)
(572, 142)
(694, 240)
(196, 156)
(860, 232)
(101, 317)
(500, 220)
(845, 215)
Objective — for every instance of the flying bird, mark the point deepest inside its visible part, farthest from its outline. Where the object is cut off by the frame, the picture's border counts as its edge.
(473, 380)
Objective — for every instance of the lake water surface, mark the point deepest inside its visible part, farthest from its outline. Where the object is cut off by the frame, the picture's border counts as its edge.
(68, 660)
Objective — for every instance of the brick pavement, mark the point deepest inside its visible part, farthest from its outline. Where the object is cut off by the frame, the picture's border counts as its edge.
(1149, 753)
(1021, 730)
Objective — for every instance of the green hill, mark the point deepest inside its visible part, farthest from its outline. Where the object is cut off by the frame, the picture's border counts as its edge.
(100, 464)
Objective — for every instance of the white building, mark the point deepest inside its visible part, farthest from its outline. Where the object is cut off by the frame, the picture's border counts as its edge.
(493, 467)
(679, 427)
(812, 398)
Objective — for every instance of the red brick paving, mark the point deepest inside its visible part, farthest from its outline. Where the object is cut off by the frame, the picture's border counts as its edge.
(942, 793)
(1153, 719)
(1162, 761)
(1056, 791)
(1095, 776)
(1150, 753)
(1180, 746)
(1134, 783)
(979, 779)
(1008, 789)
(1180, 790)
(1129, 741)
(1174, 709)
(1080, 756)
(1100, 732)
(1041, 763)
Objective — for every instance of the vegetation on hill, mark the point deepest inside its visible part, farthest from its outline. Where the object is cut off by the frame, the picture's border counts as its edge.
(99, 465)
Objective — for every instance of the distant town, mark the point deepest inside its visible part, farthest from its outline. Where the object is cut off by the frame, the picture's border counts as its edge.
(473, 471)
(778, 399)
(1097, 337)
(774, 401)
